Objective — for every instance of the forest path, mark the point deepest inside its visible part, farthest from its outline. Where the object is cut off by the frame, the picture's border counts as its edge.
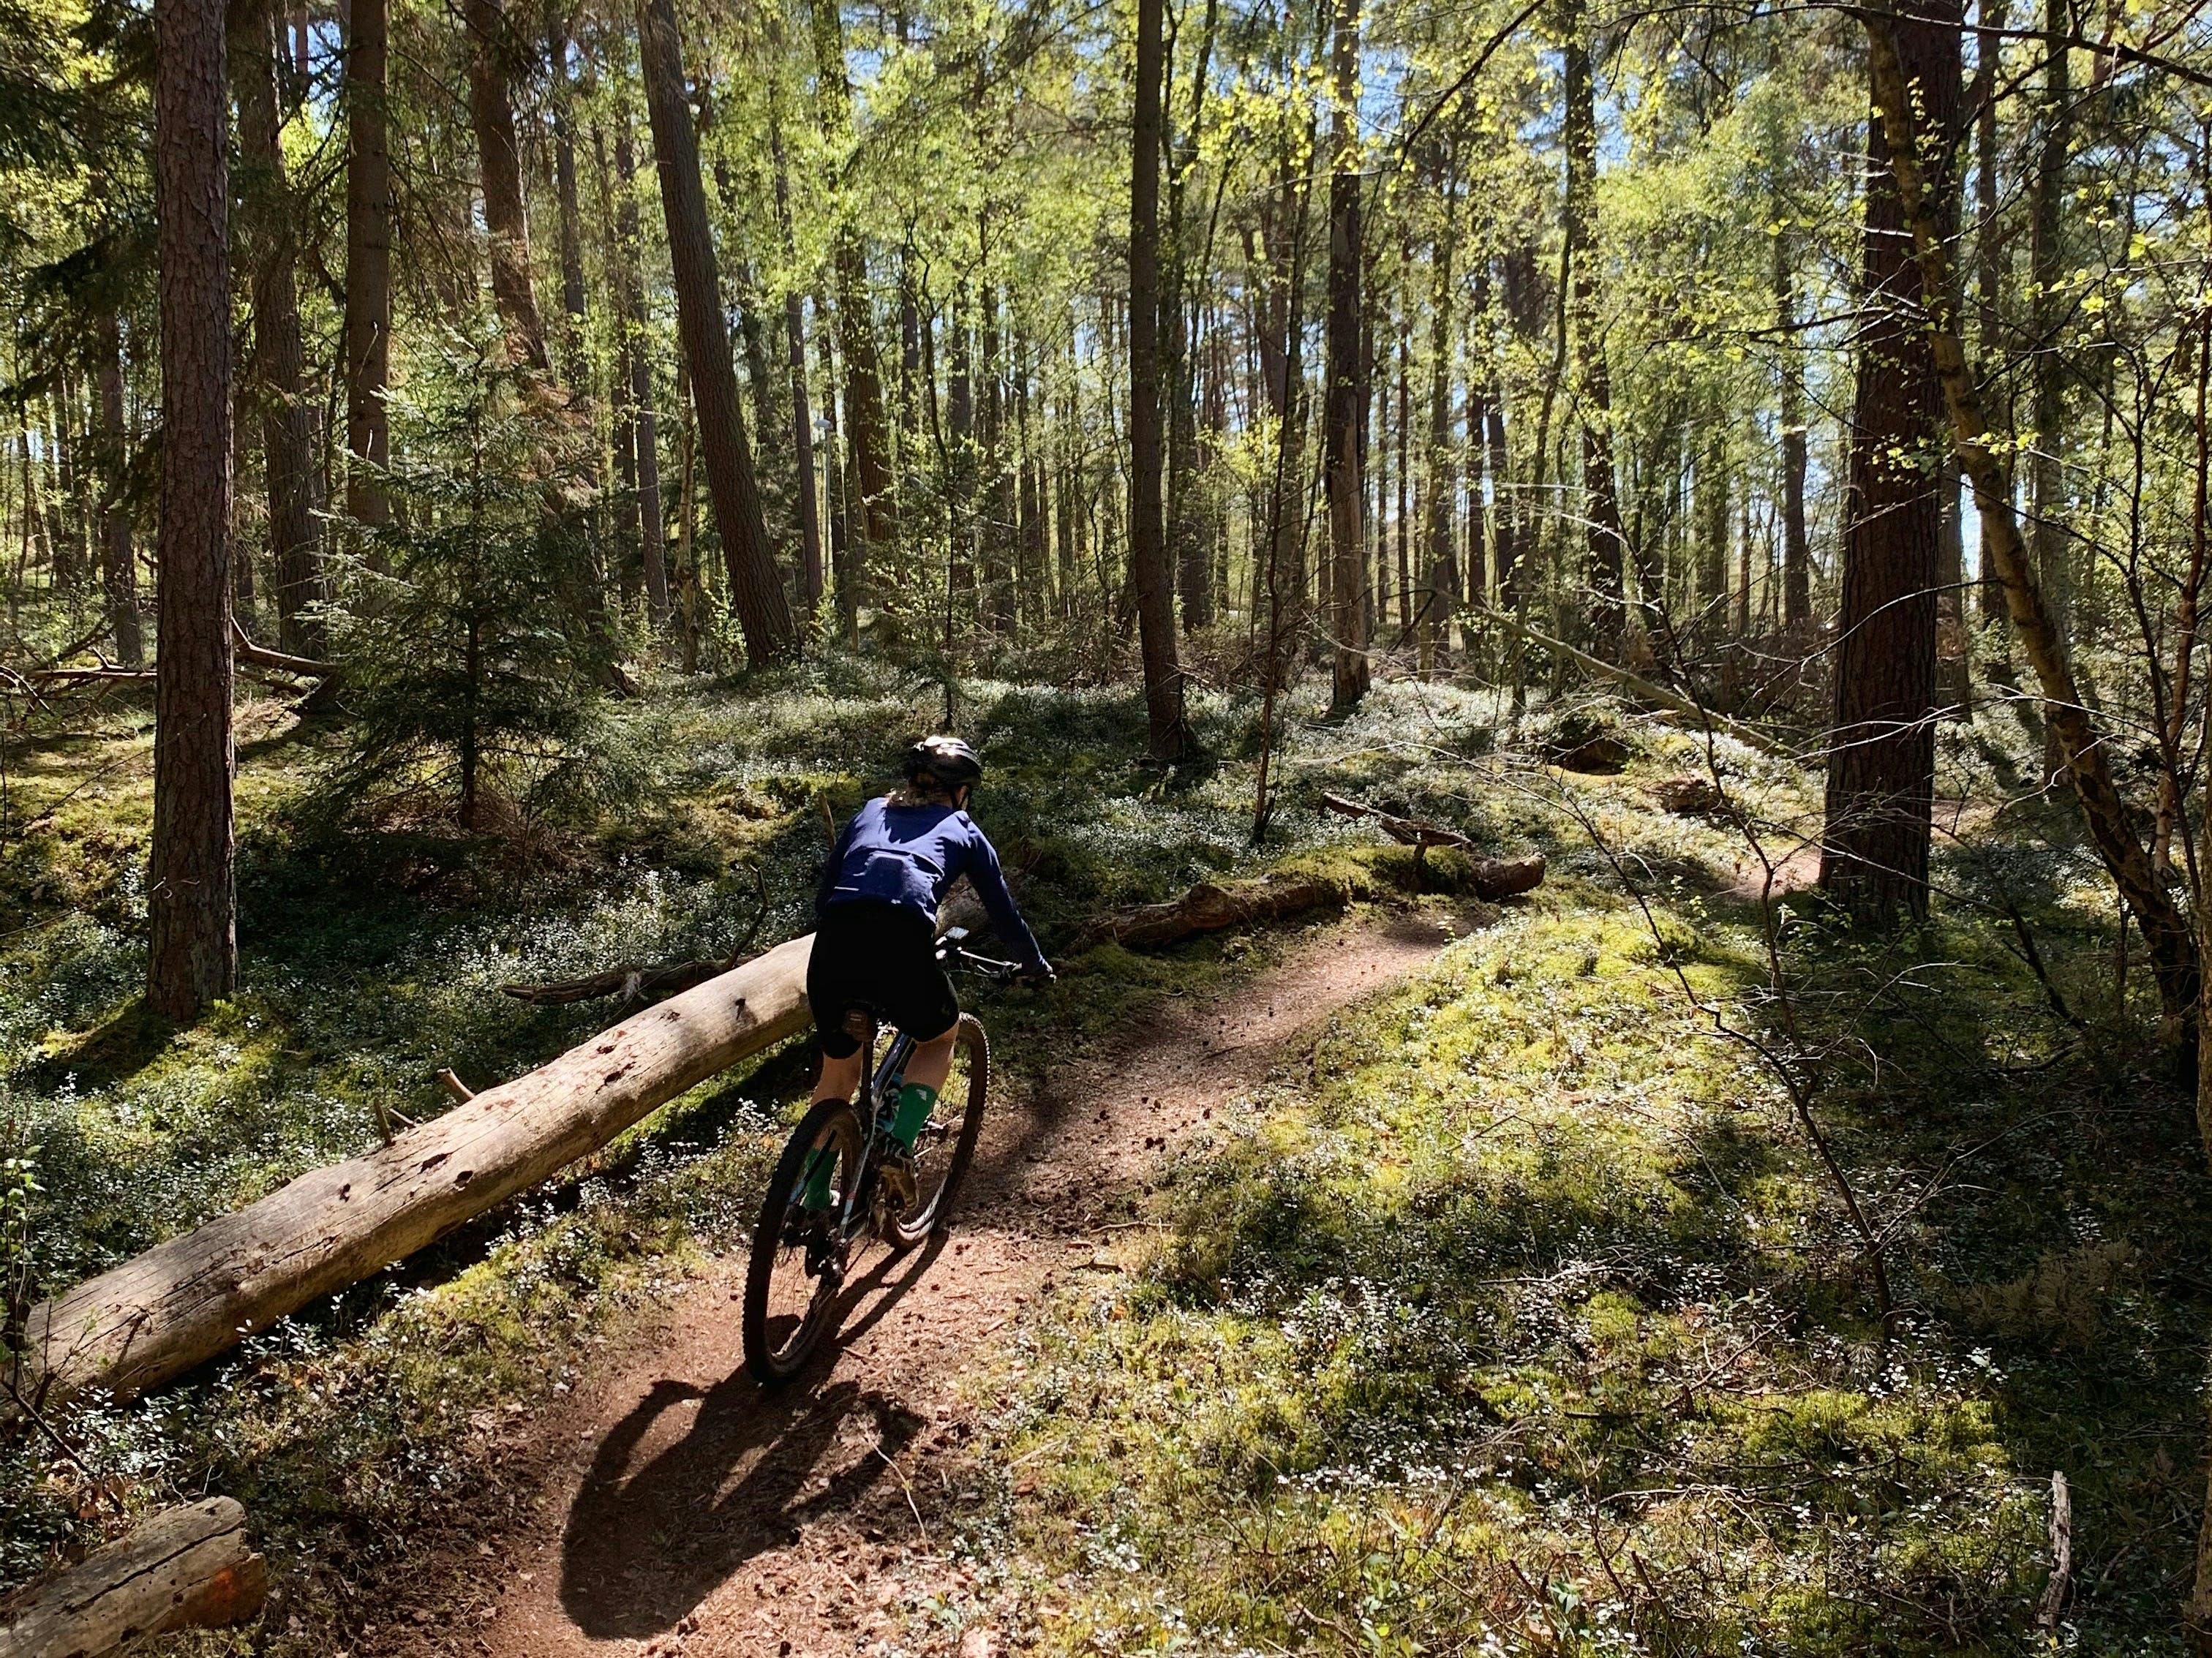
(683, 1509)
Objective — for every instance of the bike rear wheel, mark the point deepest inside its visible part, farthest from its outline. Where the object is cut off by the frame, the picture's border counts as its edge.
(947, 1144)
(799, 1254)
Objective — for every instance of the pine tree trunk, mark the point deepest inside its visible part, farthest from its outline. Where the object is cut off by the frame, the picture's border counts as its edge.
(1344, 417)
(1479, 393)
(1990, 18)
(491, 113)
(118, 558)
(856, 324)
(1441, 482)
(192, 947)
(1873, 859)
(286, 426)
(1603, 531)
(645, 428)
(574, 363)
(1797, 548)
(2054, 561)
(1148, 560)
(794, 347)
(368, 260)
(756, 589)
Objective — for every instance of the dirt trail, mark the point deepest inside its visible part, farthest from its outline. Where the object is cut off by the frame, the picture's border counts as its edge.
(684, 1510)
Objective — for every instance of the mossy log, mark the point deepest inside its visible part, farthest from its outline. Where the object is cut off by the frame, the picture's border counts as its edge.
(185, 1568)
(159, 1314)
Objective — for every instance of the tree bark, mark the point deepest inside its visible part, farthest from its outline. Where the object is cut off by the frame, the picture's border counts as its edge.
(1990, 18)
(574, 363)
(182, 1568)
(755, 588)
(156, 1316)
(794, 348)
(491, 113)
(1344, 414)
(1440, 481)
(119, 559)
(866, 425)
(368, 260)
(2171, 946)
(1874, 856)
(636, 369)
(1602, 532)
(191, 906)
(1154, 583)
(1796, 549)
(287, 424)
(2054, 562)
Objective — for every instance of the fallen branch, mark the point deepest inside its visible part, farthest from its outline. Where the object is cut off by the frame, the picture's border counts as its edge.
(261, 656)
(185, 1568)
(1640, 687)
(1210, 908)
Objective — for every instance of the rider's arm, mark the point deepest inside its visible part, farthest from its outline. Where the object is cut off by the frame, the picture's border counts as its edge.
(835, 863)
(990, 883)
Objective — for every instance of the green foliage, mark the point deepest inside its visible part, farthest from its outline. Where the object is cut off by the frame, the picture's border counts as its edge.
(474, 635)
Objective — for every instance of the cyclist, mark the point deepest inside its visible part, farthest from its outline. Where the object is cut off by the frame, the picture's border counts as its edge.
(876, 926)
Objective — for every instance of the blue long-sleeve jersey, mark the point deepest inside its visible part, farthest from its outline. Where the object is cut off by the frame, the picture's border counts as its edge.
(910, 856)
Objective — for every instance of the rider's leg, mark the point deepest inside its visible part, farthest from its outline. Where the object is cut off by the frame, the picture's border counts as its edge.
(841, 1079)
(930, 1063)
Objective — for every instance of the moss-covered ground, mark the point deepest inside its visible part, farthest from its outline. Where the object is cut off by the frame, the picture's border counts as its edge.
(1519, 1315)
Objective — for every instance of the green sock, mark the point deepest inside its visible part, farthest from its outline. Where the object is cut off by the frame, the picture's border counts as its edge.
(816, 1192)
(915, 1101)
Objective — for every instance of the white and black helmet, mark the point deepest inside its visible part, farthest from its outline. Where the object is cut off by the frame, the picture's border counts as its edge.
(945, 762)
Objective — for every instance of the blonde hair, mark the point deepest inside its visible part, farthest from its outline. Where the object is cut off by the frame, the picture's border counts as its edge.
(913, 794)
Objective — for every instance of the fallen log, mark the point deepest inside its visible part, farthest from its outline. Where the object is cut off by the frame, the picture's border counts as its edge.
(1486, 877)
(185, 1568)
(156, 1316)
(1210, 908)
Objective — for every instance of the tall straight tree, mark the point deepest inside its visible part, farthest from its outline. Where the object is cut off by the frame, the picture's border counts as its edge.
(1148, 555)
(286, 426)
(119, 560)
(191, 901)
(1344, 414)
(637, 438)
(368, 259)
(1881, 760)
(866, 426)
(794, 351)
(755, 587)
(573, 300)
(1603, 534)
(491, 112)
(1796, 549)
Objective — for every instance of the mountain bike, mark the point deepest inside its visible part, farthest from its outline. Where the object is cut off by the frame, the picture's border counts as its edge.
(804, 1248)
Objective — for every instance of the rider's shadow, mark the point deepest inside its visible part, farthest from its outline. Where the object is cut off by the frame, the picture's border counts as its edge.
(647, 1541)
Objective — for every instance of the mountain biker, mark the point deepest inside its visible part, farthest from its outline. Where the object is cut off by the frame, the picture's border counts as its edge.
(876, 925)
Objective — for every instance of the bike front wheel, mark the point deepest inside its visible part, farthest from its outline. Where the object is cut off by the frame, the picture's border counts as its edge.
(946, 1144)
(799, 1246)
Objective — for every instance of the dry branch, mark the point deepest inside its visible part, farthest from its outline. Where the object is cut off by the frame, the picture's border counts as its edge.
(1640, 687)
(1210, 908)
(185, 1568)
(156, 1316)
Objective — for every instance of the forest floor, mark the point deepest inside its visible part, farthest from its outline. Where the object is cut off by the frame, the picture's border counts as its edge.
(1501, 1304)
(682, 1507)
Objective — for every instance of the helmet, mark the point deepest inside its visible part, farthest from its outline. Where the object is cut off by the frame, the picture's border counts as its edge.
(946, 762)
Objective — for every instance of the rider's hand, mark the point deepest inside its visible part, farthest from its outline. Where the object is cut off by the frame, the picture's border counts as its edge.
(1040, 975)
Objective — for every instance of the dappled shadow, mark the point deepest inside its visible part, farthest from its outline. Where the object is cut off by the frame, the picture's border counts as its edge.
(663, 1519)
(113, 1051)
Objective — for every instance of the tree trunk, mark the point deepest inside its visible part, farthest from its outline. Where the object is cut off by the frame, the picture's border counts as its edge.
(1343, 415)
(119, 559)
(1873, 857)
(192, 907)
(574, 362)
(864, 418)
(1440, 481)
(795, 346)
(637, 367)
(2168, 935)
(1990, 18)
(1797, 550)
(491, 113)
(157, 1315)
(1148, 559)
(1602, 532)
(182, 1568)
(2054, 560)
(286, 426)
(755, 588)
(368, 261)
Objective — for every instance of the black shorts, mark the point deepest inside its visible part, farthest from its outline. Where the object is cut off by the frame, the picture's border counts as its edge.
(882, 956)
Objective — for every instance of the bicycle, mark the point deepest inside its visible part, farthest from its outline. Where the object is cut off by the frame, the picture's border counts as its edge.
(802, 1252)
